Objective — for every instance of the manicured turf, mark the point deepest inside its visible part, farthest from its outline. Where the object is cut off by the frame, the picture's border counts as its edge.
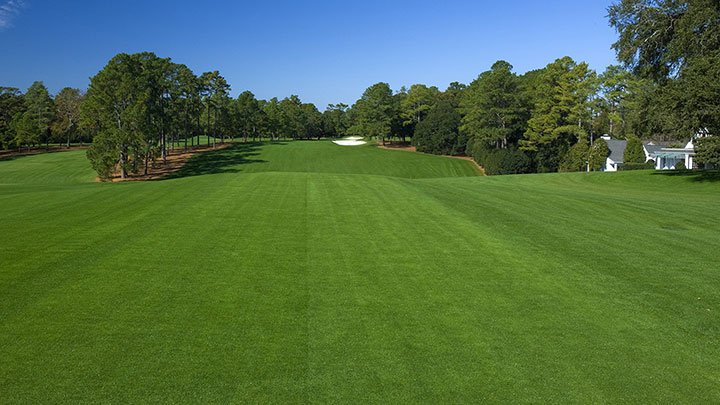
(309, 272)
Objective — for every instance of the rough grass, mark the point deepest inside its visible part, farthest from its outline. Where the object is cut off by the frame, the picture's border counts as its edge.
(309, 272)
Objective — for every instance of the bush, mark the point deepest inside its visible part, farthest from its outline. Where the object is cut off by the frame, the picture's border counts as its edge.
(680, 165)
(499, 161)
(575, 160)
(599, 151)
(708, 151)
(650, 164)
(438, 132)
(634, 152)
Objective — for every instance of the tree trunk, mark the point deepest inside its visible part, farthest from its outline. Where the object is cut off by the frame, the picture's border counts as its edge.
(186, 130)
(163, 152)
(147, 160)
(122, 165)
(214, 128)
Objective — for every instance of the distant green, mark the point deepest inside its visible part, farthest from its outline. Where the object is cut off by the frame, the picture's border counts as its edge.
(306, 272)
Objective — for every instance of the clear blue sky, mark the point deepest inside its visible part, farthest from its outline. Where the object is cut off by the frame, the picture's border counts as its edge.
(323, 51)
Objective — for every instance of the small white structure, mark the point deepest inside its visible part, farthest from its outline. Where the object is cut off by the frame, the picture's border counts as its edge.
(614, 161)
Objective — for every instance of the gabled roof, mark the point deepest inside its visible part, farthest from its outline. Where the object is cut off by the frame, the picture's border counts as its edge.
(617, 149)
(650, 148)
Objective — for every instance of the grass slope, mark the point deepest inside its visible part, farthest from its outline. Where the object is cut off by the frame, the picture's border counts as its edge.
(310, 272)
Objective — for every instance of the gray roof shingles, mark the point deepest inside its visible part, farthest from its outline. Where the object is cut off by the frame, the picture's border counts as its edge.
(617, 149)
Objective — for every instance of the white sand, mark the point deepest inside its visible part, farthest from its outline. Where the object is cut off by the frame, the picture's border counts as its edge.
(354, 138)
(349, 142)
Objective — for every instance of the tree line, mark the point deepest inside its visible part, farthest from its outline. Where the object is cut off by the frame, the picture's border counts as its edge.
(667, 87)
(139, 103)
(35, 117)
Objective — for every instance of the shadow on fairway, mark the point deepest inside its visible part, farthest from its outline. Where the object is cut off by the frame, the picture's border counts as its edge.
(8, 155)
(694, 175)
(225, 160)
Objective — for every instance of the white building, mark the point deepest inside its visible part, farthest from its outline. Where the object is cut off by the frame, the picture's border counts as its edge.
(668, 158)
(665, 158)
(614, 160)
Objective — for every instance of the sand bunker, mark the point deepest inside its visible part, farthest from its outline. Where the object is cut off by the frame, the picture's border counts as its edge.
(351, 141)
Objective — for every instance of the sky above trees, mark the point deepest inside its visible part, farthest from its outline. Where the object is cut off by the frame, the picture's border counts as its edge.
(324, 51)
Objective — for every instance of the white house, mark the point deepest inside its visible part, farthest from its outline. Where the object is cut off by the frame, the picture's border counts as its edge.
(667, 158)
(614, 161)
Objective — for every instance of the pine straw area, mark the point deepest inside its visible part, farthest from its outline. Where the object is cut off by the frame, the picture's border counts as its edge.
(409, 148)
(173, 162)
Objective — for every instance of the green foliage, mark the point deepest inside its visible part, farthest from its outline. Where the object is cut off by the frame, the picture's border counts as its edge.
(649, 165)
(26, 129)
(614, 106)
(127, 107)
(675, 44)
(11, 105)
(374, 112)
(102, 155)
(336, 120)
(248, 114)
(694, 98)
(658, 37)
(561, 110)
(275, 125)
(438, 133)
(599, 152)
(417, 103)
(708, 150)
(576, 159)
(499, 161)
(634, 152)
(67, 114)
(215, 90)
(680, 165)
(493, 108)
(41, 109)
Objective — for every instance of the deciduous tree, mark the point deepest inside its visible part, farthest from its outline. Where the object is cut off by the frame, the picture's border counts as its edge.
(67, 113)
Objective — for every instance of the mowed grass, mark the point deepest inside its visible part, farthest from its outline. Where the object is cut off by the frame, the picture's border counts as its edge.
(307, 272)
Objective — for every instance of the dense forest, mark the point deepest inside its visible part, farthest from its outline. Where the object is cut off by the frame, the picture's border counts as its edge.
(550, 119)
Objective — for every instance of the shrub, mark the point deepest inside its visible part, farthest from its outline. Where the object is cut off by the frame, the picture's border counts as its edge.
(499, 161)
(575, 159)
(708, 151)
(634, 152)
(680, 165)
(438, 132)
(638, 166)
(599, 151)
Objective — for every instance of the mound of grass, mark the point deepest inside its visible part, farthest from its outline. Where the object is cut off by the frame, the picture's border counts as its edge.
(311, 272)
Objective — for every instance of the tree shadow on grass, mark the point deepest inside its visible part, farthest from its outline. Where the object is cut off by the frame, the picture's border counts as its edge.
(8, 155)
(702, 176)
(226, 160)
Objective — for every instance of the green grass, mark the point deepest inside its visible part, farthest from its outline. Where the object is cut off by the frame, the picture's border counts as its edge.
(309, 272)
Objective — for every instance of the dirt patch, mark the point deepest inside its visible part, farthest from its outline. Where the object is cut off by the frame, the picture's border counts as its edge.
(38, 151)
(409, 148)
(174, 161)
